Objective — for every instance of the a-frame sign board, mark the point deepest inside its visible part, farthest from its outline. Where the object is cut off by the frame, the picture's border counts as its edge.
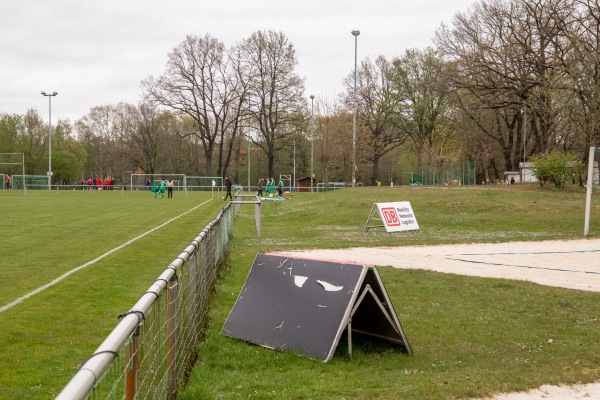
(394, 217)
(304, 306)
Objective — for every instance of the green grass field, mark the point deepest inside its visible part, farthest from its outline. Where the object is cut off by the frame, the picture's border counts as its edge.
(471, 336)
(45, 234)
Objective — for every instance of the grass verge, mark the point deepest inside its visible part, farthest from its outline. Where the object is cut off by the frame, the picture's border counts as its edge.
(471, 337)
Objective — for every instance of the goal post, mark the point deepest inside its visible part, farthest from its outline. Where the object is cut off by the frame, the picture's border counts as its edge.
(592, 167)
(146, 181)
(10, 162)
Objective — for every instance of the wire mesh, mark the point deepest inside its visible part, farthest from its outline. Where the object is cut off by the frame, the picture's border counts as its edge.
(456, 173)
(153, 355)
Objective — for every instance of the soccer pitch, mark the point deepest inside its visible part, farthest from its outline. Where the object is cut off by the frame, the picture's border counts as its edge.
(101, 250)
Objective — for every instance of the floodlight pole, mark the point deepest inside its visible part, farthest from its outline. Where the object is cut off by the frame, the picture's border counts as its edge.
(355, 33)
(50, 96)
(588, 196)
(524, 140)
(312, 139)
(249, 166)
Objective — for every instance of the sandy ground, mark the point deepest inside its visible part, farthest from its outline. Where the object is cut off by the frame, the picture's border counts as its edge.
(573, 264)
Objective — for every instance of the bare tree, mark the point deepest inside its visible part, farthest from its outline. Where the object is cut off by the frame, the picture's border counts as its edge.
(423, 95)
(148, 131)
(581, 63)
(275, 92)
(333, 141)
(199, 82)
(506, 59)
(102, 137)
(379, 109)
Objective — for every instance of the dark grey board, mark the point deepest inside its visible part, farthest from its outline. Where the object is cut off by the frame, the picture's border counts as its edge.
(304, 305)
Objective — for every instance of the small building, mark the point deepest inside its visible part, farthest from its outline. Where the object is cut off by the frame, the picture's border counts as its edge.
(526, 173)
(303, 184)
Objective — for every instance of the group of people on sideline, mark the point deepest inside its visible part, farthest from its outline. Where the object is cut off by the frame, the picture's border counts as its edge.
(98, 183)
(270, 187)
(510, 181)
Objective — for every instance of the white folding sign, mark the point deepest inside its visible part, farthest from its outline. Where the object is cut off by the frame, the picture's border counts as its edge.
(396, 217)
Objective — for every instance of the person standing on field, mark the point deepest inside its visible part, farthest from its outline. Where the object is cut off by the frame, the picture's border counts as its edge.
(280, 187)
(228, 187)
(8, 181)
(162, 185)
(259, 187)
(170, 186)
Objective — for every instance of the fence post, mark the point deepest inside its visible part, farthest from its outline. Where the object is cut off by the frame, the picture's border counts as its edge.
(192, 294)
(132, 362)
(172, 293)
(237, 204)
(257, 217)
(588, 196)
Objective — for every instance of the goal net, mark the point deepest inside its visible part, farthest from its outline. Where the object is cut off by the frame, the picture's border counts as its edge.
(146, 181)
(30, 182)
(593, 182)
(10, 164)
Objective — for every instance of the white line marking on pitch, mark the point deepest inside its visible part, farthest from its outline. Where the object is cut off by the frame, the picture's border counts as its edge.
(95, 260)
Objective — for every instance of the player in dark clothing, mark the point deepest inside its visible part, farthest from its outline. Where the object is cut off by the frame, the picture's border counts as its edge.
(228, 187)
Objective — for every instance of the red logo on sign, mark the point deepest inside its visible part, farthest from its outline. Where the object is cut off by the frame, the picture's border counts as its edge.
(390, 216)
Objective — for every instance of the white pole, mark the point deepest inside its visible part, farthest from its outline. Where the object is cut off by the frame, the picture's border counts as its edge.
(50, 142)
(248, 166)
(355, 34)
(525, 137)
(588, 198)
(23, 168)
(49, 95)
(312, 140)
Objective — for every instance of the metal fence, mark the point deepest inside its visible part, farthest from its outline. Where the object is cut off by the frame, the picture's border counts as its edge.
(463, 173)
(148, 353)
(456, 173)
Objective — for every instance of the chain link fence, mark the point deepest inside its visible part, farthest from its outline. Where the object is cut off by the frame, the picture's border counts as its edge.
(149, 352)
(463, 173)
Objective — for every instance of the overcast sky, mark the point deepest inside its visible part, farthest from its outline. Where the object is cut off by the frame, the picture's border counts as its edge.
(96, 52)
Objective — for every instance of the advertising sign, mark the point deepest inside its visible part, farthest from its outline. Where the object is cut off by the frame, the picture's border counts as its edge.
(397, 216)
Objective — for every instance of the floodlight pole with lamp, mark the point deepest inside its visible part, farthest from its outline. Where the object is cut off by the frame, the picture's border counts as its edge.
(50, 96)
(312, 138)
(355, 33)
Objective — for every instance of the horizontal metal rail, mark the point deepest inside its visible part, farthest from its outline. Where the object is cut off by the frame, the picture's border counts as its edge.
(168, 333)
